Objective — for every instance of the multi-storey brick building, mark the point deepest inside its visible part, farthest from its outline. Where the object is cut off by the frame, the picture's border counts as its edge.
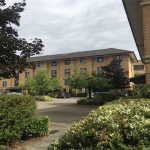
(62, 66)
(139, 68)
(138, 12)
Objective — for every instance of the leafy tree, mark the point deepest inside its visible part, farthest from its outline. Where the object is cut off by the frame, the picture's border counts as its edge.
(53, 85)
(116, 74)
(88, 81)
(28, 85)
(14, 50)
(76, 82)
(41, 82)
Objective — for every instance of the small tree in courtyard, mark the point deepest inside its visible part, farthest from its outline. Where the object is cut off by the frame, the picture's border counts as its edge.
(116, 74)
(41, 83)
(88, 81)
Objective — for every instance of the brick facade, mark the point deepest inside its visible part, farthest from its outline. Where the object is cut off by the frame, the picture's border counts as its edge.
(146, 28)
(91, 64)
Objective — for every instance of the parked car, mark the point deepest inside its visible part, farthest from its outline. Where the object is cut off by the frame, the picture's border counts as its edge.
(63, 95)
(122, 94)
(67, 95)
(92, 95)
(15, 93)
(97, 94)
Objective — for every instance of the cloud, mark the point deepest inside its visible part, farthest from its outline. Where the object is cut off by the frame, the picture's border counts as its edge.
(76, 25)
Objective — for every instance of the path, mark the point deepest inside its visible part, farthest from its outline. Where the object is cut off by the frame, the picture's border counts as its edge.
(62, 112)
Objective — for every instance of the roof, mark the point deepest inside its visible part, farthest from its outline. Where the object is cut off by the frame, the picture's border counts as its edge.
(110, 51)
(135, 17)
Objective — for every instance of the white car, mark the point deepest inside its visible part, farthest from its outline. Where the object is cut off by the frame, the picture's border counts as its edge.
(92, 95)
(15, 93)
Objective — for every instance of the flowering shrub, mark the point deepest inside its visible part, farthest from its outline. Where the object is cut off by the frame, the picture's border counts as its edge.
(43, 98)
(119, 125)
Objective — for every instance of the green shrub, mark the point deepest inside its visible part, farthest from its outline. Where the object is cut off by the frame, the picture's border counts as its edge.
(109, 97)
(85, 102)
(119, 125)
(53, 95)
(37, 127)
(73, 94)
(142, 90)
(15, 113)
(3, 147)
(100, 100)
(43, 98)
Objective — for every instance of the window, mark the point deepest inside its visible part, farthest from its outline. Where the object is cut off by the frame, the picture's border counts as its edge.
(39, 64)
(67, 72)
(54, 63)
(100, 59)
(66, 82)
(138, 67)
(54, 73)
(99, 70)
(82, 60)
(4, 83)
(27, 74)
(83, 70)
(67, 62)
(118, 57)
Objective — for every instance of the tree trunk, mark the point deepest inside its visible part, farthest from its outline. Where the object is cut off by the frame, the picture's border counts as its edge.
(90, 95)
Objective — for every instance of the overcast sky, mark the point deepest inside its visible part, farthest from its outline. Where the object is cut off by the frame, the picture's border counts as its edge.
(76, 25)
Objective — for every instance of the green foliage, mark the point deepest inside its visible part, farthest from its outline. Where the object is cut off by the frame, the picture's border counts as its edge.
(76, 82)
(143, 90)
(15, 113)
(3, 147)
(116, 74)
(14, 50)
(100, 100)
(41, 83)
(90, 102)
(43, 98)
(88, 81)
(28, 85)
(81, 95)
(37, 127)
(54, 85)
(119, 125)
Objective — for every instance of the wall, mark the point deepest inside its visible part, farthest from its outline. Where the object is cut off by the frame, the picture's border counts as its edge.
(75, 65)
(146, 26)
(139, 72)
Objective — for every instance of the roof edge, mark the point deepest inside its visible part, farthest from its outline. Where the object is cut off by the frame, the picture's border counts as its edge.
(129, 20)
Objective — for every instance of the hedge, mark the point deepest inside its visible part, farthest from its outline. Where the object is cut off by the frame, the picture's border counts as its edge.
(100, 100)
(119, 125)
(43, 98)
(16, 119)
(37, 127)
(15, 113)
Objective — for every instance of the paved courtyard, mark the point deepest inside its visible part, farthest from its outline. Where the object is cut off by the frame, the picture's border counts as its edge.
(62, 113)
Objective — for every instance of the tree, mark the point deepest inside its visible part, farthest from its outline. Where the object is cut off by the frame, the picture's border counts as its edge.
(116, 74)
(28, 85)
(41, 83)
(53, 85)
(14, 51)
(88, 81)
